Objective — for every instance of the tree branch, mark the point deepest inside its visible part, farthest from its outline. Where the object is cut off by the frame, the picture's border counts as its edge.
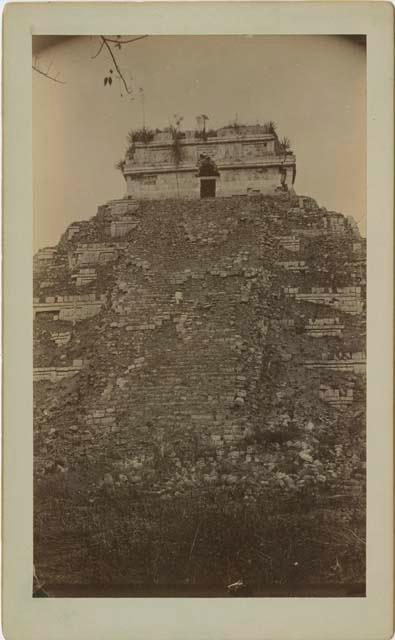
(120, 74)
(35, 68)
(105, 42)
(99, 51)
(125, 41)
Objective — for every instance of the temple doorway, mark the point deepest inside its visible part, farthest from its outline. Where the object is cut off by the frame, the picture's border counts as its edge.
(207, 187)
(208, 174)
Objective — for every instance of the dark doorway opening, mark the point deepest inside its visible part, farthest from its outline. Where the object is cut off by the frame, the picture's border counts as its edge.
(207, 187)
(208, 172)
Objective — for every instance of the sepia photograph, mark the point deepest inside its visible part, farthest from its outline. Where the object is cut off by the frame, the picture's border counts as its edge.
(197, 255)
(199, 316)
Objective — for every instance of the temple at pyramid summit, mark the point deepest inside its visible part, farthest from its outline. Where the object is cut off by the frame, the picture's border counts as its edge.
(233, 160)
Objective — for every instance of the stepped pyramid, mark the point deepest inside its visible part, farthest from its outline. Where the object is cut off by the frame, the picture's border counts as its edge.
(199, 370)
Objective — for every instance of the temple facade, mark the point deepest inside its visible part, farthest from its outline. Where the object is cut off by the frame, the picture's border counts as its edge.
(229, 161)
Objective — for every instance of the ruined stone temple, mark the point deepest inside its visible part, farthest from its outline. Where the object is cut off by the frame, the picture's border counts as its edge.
(198, 362)
(230, 161)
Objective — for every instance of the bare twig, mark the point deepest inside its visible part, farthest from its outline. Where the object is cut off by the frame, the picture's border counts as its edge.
(43, 73)
(99, 51)
(105, 43)
(125, 41)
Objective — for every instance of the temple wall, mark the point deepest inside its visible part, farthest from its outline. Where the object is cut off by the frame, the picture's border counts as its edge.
(220, 151)
(186, 184)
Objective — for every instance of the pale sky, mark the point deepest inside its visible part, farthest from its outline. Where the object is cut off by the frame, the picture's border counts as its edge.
(313, 87)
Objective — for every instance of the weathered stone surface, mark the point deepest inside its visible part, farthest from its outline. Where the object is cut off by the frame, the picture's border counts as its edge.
(194, 374)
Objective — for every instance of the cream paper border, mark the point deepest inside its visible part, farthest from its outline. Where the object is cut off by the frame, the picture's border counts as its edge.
(196, 619)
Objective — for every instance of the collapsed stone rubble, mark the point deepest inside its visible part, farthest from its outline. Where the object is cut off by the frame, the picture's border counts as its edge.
(188, 349)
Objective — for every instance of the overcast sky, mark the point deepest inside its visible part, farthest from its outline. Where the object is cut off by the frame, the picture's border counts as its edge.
(313, 87)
